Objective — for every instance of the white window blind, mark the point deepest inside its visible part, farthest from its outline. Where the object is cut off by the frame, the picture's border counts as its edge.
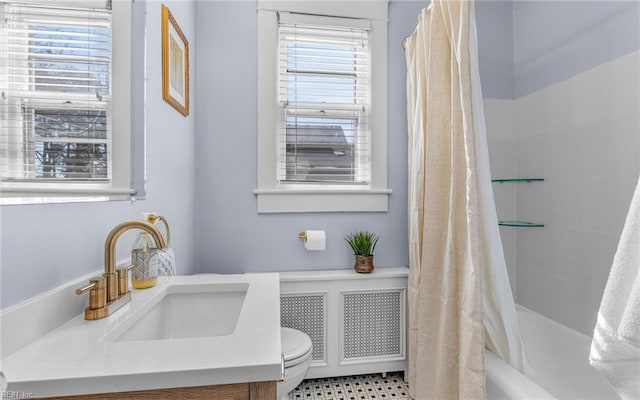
(324, 99)
(55, 86)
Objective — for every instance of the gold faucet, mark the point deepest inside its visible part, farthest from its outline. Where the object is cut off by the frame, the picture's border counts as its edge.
(110, 291)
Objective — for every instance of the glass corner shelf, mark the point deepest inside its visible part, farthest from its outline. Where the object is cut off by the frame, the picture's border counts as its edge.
(520, 224)
(518, 180)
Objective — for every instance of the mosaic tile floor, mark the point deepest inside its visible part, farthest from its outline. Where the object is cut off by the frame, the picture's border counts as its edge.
(358, 387)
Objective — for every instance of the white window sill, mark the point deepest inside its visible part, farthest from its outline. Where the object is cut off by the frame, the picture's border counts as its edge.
(24, 196)
(318, 200)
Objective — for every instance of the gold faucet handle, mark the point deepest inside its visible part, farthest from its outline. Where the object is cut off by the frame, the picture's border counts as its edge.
(93, 285)
(97, 292)
(123, 281)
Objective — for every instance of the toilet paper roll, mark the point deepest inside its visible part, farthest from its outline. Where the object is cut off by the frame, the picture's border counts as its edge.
(316, 240)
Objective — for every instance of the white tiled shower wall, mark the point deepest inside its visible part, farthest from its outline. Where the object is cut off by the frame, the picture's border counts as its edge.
(500, 121)
(582, 135)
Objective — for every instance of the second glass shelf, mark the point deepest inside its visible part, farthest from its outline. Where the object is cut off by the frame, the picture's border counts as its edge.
(518, 180)
(520, 224)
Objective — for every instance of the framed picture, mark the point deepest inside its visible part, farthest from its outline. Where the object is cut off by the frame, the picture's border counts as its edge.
(175, 63)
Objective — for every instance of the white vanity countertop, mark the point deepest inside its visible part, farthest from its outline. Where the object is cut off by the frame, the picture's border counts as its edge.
(78, 357)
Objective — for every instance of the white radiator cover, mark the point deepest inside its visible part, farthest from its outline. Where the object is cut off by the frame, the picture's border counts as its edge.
(357, 322)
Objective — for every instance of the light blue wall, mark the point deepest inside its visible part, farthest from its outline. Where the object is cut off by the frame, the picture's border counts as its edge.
(554, 40)
(207, 162)
(495, 48)
(527, 45)
(44, 246)
(232, 237)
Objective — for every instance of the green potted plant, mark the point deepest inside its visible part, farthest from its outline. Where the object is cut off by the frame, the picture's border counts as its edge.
(363, 243)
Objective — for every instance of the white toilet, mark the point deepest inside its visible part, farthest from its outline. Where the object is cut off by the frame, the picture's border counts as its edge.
(297, 349)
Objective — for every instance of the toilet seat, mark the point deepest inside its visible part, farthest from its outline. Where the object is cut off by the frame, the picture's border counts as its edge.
(296, 346)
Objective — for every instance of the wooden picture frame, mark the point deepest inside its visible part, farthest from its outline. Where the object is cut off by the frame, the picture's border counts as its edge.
(175, 63)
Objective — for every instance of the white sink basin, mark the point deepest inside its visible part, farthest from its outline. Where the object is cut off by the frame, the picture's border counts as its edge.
(194, 330)
(192, 311)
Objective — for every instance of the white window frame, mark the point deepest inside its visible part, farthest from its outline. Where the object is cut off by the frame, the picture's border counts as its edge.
(124, 176)
(279, 197)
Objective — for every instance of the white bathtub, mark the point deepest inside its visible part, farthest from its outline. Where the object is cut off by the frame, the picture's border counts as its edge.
(558, 359)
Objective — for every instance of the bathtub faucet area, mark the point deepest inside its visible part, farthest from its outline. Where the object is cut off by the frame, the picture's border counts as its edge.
(109, 292)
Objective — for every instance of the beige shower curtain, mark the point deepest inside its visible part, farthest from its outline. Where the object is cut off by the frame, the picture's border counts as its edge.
(459, 294)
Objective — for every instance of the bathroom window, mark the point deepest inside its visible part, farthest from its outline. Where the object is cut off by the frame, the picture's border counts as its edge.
(322, 120)
(323, 90)
(58, 104)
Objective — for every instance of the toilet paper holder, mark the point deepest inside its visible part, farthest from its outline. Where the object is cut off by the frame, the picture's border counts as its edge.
(313, 240)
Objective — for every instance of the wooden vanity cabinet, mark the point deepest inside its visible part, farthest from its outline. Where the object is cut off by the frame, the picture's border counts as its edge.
(236, 391)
